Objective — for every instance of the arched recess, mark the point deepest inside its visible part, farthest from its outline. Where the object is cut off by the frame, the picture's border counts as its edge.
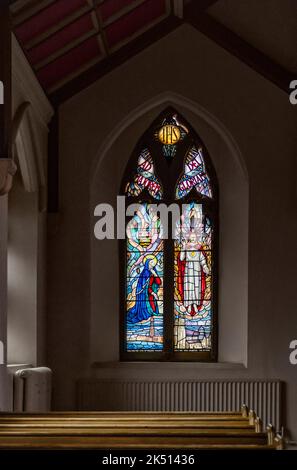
(107, 172)
(168, 313)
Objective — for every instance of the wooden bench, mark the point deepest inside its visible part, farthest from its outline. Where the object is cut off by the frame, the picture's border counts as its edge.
(136, 430)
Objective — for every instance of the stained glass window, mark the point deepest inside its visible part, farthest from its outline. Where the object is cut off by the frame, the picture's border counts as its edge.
(170, 133)
(145, 177)
(195, 175)
(144, 318)
(192, 281)
(170, 295)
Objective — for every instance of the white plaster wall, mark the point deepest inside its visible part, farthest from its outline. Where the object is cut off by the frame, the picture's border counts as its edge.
(22, 310)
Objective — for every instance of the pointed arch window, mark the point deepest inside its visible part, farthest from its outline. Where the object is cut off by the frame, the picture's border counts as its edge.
(169, 284)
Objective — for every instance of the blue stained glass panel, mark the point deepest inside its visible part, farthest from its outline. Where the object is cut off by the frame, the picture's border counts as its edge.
(144, 282)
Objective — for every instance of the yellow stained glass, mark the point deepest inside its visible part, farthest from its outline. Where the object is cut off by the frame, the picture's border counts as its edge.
(169, 134)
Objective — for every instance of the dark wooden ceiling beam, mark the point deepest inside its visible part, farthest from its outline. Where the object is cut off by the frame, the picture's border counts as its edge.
(101, 30)
(64, 50)
(202, 5)
(237, 46)
(92, 6)
(194, 14)
(21, 11)
(116, 59)
(122, 12)
(76, 15)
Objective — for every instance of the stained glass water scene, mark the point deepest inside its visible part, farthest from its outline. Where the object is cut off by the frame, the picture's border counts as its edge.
(195, 175)
(145, 177)
(144, 282)
(177, 320)
(171, 132)
(192, 279)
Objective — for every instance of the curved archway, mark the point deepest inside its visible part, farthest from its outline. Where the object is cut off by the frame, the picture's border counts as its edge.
(165, 99)
(233, 260)
(169, 309)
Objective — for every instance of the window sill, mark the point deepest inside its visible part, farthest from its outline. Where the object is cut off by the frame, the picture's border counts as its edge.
(130, 365)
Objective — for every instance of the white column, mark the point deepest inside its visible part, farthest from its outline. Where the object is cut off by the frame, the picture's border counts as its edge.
(4, 392)
(7, 169)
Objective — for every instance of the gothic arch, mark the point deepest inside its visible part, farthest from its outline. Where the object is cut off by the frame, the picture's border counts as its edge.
(177, 101)
(233, 180)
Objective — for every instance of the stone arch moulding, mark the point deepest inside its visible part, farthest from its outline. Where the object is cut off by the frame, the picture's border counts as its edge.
(234, 205)
(170, 99)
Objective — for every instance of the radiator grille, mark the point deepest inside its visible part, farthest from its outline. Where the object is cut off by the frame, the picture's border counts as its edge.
(264, 397)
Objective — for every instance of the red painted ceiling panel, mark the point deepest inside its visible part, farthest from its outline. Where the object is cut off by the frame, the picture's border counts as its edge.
(61, 39)
(46, 18)
(69, 63)
(110, 7)
(134, 20)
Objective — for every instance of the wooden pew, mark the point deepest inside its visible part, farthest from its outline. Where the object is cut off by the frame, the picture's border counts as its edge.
(135, 430)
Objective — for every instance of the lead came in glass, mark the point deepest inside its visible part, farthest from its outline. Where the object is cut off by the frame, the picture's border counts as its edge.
(145, 178)
(192, 281)
(179, 323)
(195, 175)
(144, 296)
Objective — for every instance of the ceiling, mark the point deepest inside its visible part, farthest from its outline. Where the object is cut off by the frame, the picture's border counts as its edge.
(61, 38)
(70, 43)
(268, 25)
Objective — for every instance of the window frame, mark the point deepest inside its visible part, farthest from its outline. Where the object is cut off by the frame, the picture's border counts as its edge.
(176, 169)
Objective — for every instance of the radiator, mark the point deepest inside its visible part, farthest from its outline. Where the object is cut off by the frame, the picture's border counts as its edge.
(32, 389)
(264, 397)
